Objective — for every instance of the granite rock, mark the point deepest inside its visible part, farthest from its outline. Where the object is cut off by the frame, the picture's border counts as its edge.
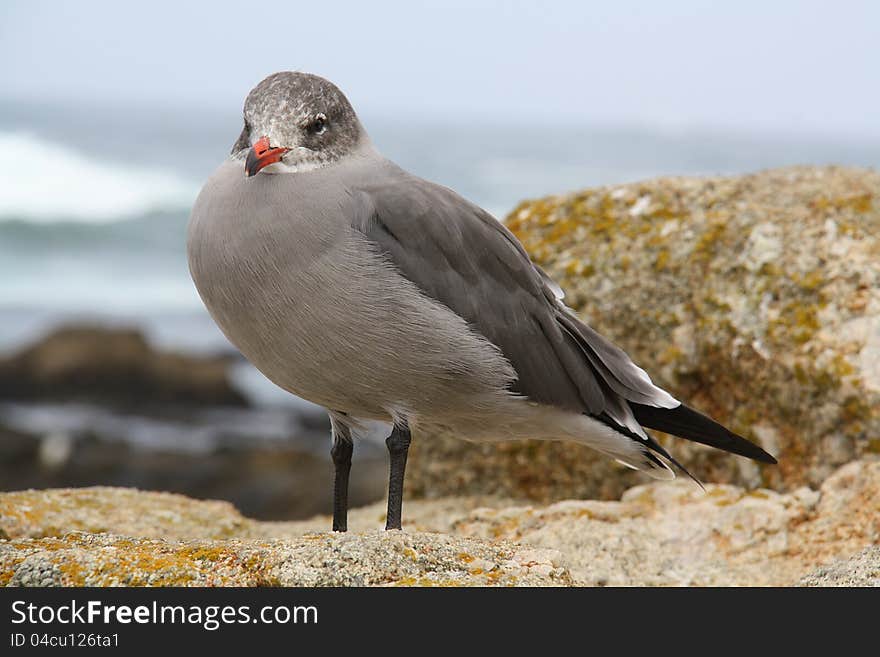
(863, 569)
(113, 365)
(656, 535)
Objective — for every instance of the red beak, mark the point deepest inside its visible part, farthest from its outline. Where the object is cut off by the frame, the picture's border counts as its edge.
(262, 155)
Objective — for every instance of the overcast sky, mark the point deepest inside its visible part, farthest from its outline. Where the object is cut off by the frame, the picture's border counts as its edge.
(798, 66)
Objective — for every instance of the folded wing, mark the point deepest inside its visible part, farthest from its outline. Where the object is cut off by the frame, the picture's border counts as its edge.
(459, 255)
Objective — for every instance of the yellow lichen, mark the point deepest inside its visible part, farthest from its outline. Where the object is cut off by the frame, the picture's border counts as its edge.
(662, 260)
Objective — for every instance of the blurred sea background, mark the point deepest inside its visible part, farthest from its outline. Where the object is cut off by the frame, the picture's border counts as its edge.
(96, 188)
(95, 201)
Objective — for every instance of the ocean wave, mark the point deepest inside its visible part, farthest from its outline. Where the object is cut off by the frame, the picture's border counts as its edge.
(44, 181)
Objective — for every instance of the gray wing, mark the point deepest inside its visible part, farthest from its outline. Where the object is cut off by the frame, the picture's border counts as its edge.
(462, 257)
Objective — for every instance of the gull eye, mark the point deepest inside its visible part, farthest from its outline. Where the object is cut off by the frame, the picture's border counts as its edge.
(318, 126)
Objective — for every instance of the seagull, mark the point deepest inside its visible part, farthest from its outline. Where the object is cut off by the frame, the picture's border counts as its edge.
(384, 297)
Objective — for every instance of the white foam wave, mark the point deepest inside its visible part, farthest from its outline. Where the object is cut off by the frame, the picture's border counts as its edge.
(42, 181)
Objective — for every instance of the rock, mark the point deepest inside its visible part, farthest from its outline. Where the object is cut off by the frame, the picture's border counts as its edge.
(673, 534)
(378, 558)
(196, 548)
(103, 509)
(754, 298)
(658, 534)
(160, 515)
(861, 570)
(526, 471)
(113, 365)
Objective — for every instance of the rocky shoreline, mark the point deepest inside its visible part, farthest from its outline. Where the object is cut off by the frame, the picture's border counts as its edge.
(114, 366)
(660, 534)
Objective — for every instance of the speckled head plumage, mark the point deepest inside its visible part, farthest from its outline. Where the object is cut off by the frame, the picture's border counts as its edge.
(304, 114)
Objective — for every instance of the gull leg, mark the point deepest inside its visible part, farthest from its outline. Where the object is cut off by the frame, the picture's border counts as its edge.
(398, 446)
(341, 455)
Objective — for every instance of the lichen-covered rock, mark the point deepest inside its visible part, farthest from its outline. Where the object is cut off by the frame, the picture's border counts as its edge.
(127, 511)
(123, 537)
(861, 570)
(113, 365)
(376, 558)
(658, 534)
(754, 298)
(673, 534)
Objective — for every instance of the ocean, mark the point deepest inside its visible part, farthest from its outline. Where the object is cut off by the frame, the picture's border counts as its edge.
(94, 202)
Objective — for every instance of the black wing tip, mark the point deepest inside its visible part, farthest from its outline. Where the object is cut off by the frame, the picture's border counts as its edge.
(688, 423)
(746, 448)
(764, 457)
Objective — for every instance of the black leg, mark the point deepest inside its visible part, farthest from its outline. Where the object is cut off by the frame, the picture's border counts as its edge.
(398, 446)
(341, 455)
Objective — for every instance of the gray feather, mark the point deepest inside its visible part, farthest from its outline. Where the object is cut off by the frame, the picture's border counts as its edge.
(461, 256)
